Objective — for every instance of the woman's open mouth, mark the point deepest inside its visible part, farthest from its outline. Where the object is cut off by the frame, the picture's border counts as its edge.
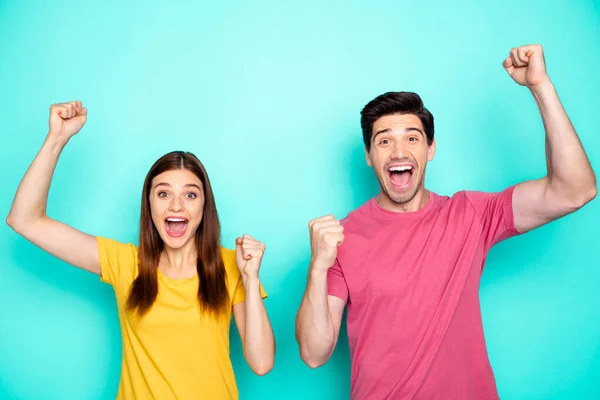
(176, 226)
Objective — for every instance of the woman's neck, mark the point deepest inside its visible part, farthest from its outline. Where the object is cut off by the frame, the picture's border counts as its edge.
(180, 258)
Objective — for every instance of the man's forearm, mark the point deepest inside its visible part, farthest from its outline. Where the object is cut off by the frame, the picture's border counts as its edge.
(314, 328)
(570, 175)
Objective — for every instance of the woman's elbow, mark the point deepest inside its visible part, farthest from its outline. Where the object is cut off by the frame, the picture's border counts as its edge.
(263, 368)
(15, 223)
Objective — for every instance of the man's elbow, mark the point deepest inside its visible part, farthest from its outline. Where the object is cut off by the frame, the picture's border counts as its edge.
(571, 199)
(585, 196)
(312, 361)
(593, 192)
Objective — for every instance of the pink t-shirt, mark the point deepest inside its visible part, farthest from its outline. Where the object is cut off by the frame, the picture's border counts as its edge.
(411, 283)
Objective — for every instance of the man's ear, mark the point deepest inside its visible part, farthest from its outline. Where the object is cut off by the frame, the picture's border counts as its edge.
(431, 151)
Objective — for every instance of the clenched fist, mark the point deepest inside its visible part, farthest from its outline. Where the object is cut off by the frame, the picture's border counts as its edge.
(526, 65)
(249, 254)
(66, 119)
(326, 235)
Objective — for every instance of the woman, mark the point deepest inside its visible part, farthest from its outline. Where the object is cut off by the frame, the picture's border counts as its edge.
(177, 291)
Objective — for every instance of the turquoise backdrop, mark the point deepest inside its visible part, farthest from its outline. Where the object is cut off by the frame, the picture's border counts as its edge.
(268, 94)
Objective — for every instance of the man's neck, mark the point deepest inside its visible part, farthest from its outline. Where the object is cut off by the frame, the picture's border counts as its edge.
(415, 204)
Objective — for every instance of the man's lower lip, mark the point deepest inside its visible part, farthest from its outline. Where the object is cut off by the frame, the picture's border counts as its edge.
(401, 187)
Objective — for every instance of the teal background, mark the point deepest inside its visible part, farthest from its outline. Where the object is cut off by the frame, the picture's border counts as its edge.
(268, 95)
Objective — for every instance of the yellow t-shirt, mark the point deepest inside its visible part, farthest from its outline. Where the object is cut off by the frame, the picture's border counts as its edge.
(174, 351)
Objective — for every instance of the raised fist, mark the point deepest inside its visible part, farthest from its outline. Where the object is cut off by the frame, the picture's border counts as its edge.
(249, 254)
(66, 119)
(326, 235)
(526, 65)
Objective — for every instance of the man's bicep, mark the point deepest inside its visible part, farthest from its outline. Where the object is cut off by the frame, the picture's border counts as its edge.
(534, 205)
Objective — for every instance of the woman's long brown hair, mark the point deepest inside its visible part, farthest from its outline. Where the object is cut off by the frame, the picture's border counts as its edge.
(212, 288)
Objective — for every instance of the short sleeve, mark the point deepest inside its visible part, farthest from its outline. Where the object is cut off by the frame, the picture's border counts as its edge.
(336, 283)
(116, 259)
(239, 296)
(495, 211)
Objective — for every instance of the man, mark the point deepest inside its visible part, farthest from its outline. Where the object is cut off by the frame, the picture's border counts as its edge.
(408, 262)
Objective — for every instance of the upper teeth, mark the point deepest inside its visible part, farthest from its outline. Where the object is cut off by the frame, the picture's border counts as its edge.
(401, 168)
(175, 219)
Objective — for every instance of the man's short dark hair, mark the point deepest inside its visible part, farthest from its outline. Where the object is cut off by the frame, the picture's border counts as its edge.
(394, 103)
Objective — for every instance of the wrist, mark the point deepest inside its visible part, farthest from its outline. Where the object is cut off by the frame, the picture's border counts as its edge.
(250, 280)
(56, 143)
(56, 139)
(541, 87)
(315, 270)
(317, 264)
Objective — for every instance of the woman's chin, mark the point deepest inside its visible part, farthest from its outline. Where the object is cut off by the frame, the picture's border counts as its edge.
(174, 242)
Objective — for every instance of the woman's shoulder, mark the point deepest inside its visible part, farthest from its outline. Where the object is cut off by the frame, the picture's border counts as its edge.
(229, 258)
(113, 247)
(118, 261)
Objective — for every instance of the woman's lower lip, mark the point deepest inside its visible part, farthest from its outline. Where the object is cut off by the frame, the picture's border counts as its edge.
(173, 235)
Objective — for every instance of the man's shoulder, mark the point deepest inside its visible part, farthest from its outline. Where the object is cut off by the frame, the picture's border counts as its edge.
(357, 215)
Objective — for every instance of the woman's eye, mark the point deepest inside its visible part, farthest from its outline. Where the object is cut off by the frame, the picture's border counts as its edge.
(162, 194)
(191, 195)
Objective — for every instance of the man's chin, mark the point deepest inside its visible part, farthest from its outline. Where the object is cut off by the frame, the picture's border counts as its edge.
(403, 199)
(401, 196)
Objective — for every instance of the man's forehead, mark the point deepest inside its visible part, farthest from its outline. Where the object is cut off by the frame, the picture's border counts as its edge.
(397, 122)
